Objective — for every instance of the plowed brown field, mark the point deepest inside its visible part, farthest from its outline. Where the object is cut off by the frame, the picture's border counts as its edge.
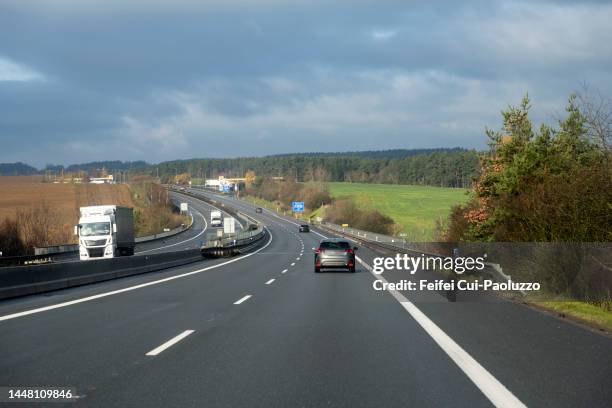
(64, 199)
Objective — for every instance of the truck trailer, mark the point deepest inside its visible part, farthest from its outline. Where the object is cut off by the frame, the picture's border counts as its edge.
(105, 231)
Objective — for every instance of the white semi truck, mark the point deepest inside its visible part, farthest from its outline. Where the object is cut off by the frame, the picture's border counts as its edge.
(105, 231)
(216, 219)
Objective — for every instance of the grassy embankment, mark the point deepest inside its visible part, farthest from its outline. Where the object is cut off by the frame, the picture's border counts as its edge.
(416, 209)
(587, 313)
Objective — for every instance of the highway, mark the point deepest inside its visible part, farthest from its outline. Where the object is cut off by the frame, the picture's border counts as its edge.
(189, 239)
(263, 330)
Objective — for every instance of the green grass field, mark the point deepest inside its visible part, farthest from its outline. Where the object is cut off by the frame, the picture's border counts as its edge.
(415, 208)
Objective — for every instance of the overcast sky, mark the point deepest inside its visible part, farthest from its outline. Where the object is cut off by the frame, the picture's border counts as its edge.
(151, 80)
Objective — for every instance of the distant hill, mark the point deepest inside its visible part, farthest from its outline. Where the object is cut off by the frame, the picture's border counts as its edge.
(22, 169)
(442, 167)
(445, 167)
(113, 165)
(375, 154)
(17, 169)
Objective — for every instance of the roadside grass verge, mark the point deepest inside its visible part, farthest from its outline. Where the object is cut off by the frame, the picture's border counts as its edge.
(416, 209)
(597, 316)
(587, 313)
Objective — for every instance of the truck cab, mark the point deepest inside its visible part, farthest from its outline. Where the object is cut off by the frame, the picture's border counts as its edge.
(105, 231)
(216, 219)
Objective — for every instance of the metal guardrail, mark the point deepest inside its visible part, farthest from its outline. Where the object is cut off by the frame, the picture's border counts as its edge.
(166, 234)
(398, 244)
(236, 243)
(234, 239)
(387, 241)
(53, 253)
(24, 280)
(6, 261)
(71, 248)
(218, 204)
(56, 249)
(232, 244)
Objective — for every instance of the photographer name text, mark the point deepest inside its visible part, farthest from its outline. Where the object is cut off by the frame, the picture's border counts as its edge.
(451, 285)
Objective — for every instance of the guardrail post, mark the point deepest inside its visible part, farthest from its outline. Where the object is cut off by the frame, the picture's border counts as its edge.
(451, 295)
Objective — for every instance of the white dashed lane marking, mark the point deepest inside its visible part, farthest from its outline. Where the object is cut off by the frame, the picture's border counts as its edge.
(243, 299)
(169, 343)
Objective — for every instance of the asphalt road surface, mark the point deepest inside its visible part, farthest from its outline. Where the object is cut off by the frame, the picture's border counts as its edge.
(263, 330)
(189, 239)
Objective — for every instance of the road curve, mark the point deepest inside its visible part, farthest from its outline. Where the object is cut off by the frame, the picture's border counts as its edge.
(264, 330)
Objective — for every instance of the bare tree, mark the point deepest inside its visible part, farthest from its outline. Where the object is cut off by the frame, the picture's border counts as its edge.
(597, 110)
(10, 240)
(36, 223)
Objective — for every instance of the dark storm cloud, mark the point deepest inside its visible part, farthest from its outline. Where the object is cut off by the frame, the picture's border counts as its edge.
(147, 80)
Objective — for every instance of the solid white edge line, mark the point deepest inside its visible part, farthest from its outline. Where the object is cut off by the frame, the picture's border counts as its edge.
(242, 299)
(270, 281)
(130, 288)
(169, 343)
(495, 391)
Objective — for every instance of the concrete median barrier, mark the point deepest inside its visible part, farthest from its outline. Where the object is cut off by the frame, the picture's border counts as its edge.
(27, 280)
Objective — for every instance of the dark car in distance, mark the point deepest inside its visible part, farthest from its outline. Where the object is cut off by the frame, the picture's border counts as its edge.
(335, 253)
(258, 210)
(304, 228)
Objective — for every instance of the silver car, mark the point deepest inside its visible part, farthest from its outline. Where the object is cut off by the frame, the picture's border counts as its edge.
(335, 253)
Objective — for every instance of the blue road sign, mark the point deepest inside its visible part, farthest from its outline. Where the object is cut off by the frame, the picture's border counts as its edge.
(297, 206)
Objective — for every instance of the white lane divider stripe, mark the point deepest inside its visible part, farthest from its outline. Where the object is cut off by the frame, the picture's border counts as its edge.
(243, 299)
(284, 271)
(270, 281)
(292, 263)
(169, 343)
(495, 391)
(128, 289)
